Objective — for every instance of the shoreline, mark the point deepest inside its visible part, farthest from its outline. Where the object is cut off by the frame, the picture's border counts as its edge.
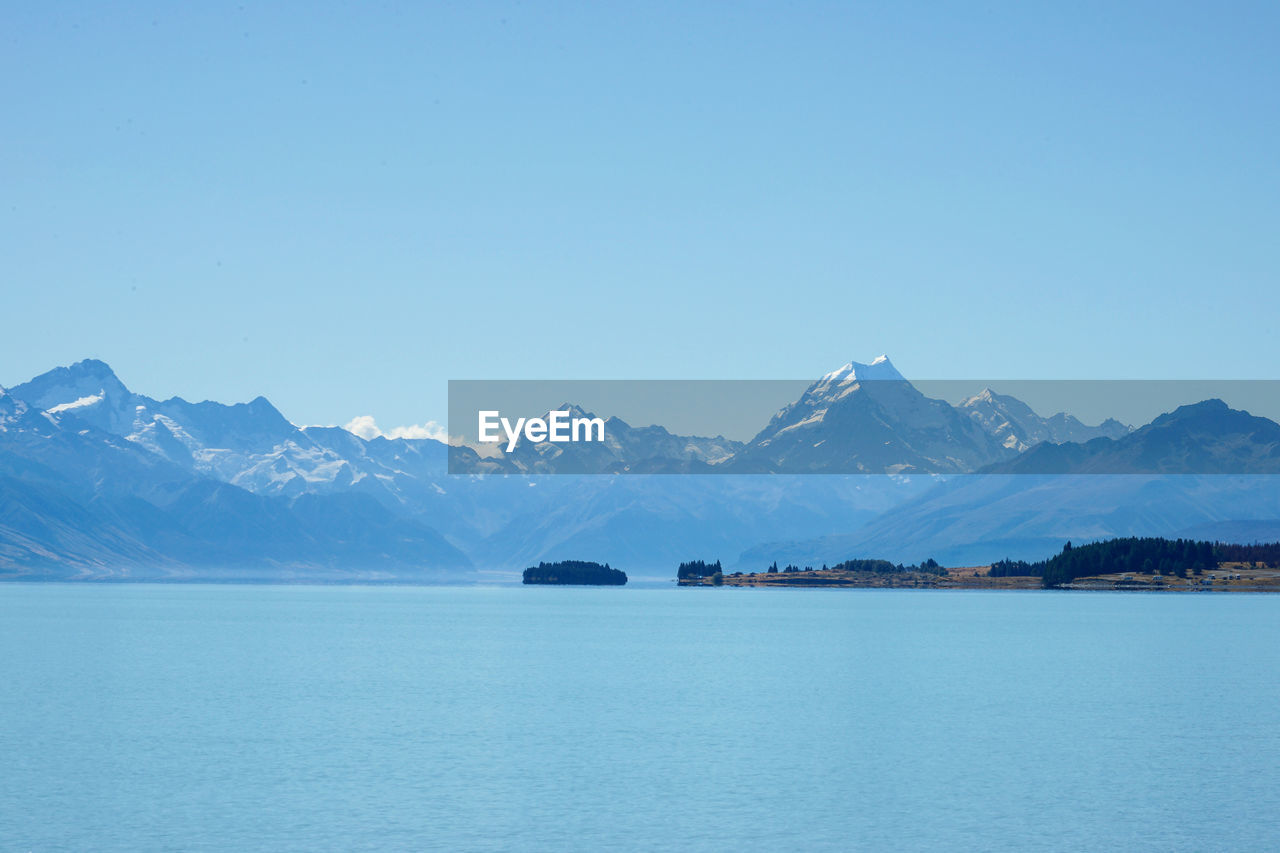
(1229, 577)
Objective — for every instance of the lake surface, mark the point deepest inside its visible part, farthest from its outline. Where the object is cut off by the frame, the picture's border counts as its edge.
(173, 717)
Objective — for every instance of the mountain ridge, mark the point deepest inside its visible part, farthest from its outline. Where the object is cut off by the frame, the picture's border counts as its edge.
(186, 490)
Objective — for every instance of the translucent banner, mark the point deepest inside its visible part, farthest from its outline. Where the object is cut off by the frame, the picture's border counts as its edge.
(864, 419)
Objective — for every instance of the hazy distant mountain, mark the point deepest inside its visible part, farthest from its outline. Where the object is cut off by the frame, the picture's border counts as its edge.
(867, 418)
(1138, 484)
(977, 518)
(1017, 427)
(657, 521)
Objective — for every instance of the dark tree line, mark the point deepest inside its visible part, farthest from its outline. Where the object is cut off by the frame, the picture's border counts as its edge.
(884, 567)
(697, 569)
(1145, 555)
(1139, 556)
(575, 572)
(1015, 569)
(1267, 553)
(1130, 555)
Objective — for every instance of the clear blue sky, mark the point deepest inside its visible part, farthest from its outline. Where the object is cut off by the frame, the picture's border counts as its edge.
(343, 206)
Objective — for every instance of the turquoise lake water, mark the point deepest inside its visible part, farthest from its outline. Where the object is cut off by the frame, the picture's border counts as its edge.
(173, 717)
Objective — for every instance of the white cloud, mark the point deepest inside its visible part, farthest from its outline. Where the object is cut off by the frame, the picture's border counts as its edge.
(430, 429)
(365, 427)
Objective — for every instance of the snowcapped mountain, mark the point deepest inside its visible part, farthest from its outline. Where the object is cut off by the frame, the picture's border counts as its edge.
(880, 369)
(98, 481)
(247, 444)
(1193, 471)
(211, 490)
(859, 418)
(86, 490)
(88, 389)
(1016, 426)
(867, 418)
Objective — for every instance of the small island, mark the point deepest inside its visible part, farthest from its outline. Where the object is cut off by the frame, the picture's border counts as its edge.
(854, 573)
(574, 572)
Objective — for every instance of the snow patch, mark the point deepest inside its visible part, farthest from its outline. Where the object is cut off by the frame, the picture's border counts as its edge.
(92, 399)
(815, 418)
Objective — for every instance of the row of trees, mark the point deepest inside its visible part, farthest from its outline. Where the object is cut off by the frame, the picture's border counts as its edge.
(1134, 555)
(1130, 555)
(1139, 555)
(1147, 555)
(697, 569)
(1267, 553)
(575, 572)
(1015, 569)
(884, 567)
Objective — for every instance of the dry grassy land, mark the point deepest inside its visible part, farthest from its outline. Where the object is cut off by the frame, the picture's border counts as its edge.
(1229, 577)
(1232, 577)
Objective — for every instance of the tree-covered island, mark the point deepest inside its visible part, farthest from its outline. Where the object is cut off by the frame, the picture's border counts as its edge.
(574, 572)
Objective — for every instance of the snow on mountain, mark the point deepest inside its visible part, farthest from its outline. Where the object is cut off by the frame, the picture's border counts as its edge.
(89, 388)
(859, 418)
(76, 404)
(93, 473)
(1016, 426)
(77, 500)
(9, 406)
(247, 444)
(866, 418)
(879, 369)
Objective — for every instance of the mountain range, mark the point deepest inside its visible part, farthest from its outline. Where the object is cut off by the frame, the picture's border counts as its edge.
(858, 419)
(1016, 427)
(97, 481)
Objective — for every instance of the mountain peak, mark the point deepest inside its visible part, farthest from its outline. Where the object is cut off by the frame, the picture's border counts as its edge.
(84, 379)
(94, 366)
(574, 410)
(9, 405)
(879, 369)
(986, 395)
(1194, 411)
(1213, 404)
(92, 370)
